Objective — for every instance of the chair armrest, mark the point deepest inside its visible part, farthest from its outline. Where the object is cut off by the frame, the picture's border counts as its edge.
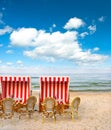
(43, 104)
(23, 105)
(68, 105)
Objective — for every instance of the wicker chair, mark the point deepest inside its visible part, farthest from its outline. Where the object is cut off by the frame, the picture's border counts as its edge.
(31, 101)
(1, 108)
(27, 108)
(73, 108)
(48, 107)
(8, 109)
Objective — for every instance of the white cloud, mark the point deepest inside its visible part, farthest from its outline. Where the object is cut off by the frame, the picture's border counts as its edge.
(9, 46)
(1, 21)
(24, 37)
(9, 63)
(1, 15)
(9, 51)
(32, 37)
(84, 34)
(74, 23)
(19, 62)
(53, 46)
(1, 45)
(101, 19)
(86, 58)
(96, 49)
(39, 70)
(7, 29)
(51, 28)
(3, 8)
(54, 25)
(92, 29)
(0, 61)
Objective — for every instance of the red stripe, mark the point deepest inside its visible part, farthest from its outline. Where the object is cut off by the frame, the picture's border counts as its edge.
(66, 91)
(12, 88)
(28, 86)
(21, 89)
(15, 87)
(9, 88)
(58, 82)
(40, 98)
(15, 79)
(49, 86)
(42, 89)
(5, 87)
(54, 88)
(25, 85)
(45, 86)
(62, 90)
(17, 82)
(23, 96)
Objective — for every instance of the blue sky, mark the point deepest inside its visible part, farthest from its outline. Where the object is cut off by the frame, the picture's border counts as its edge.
(56, 36)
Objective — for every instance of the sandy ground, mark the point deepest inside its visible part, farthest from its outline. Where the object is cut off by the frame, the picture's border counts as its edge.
(94, 111)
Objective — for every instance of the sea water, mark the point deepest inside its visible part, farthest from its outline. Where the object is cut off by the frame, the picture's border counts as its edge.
(82, 82)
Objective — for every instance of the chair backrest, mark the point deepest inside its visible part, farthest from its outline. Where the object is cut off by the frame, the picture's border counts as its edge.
(75, 103)
(55, 87)
(15, 87)
(31, 101)
(49, 104)
(8, 106)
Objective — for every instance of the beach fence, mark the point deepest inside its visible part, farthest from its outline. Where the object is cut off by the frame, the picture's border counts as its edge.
(55, 87)
(15, 87)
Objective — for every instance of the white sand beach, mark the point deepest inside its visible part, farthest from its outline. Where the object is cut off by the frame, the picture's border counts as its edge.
(94, 111)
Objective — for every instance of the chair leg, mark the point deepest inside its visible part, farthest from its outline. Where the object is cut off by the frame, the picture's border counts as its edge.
(20, 116)
(78, 116)
(29, 114)
(72, 116)
(54, 119)
(42, 119)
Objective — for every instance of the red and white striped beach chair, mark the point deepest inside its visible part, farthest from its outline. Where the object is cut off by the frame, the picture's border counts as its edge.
(55, 87)
(15, 87)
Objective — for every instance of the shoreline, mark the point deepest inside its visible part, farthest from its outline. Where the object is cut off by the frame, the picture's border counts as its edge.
(80, 89)
(89, 91)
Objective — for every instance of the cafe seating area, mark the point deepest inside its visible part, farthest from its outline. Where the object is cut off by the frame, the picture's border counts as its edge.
(54, 98)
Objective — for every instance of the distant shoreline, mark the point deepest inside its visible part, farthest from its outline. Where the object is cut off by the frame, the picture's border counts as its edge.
(78, 90)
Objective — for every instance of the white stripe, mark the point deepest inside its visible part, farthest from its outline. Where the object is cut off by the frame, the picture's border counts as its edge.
(56, 89)
(56, 80)
(48, 77)
(3, 78)
(17, 78)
